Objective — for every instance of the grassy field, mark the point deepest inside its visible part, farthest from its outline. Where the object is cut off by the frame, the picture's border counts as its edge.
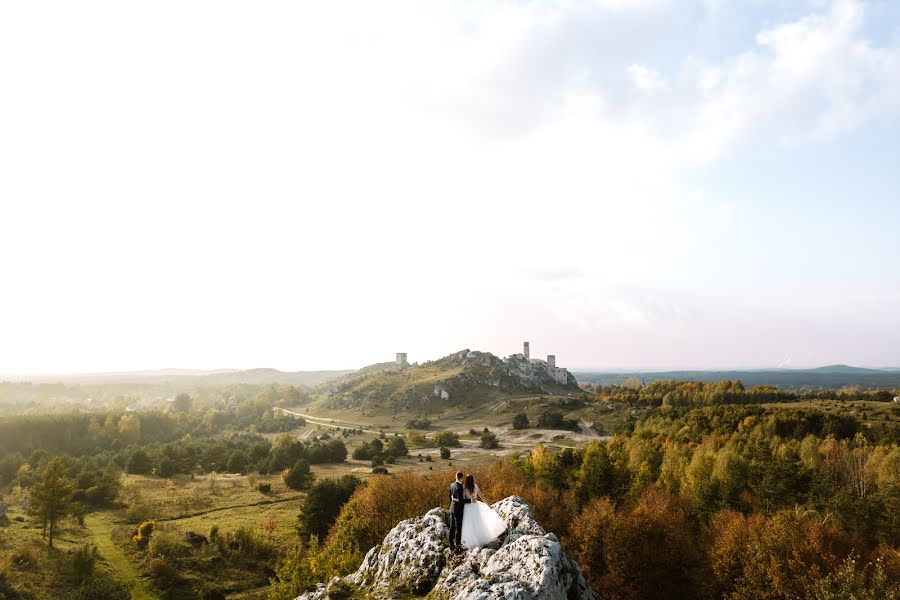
(100, 527)
(25, 560)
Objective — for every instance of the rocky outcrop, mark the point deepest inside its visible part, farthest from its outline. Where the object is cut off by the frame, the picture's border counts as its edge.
(526, 563)
(456, 379)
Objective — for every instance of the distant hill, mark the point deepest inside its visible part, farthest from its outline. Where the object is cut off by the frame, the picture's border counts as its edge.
(460, 378)
(192, 378)
(828, 377)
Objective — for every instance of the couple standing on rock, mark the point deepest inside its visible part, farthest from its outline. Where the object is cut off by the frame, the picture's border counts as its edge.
(472, 523)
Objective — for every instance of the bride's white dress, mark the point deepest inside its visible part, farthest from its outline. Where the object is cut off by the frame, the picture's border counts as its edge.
(481, 524)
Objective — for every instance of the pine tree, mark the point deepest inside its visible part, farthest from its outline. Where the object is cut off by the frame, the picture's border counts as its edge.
(51, 497)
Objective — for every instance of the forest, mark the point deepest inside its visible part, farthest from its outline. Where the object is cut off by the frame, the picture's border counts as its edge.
(706, 491)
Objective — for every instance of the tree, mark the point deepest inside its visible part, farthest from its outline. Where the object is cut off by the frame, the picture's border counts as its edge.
(51, 497)
(139, 463)
(520, 421)
(182, 403)
(396, 446)
(299, 476)
(130, 429)
(237, 462)
(322, 504)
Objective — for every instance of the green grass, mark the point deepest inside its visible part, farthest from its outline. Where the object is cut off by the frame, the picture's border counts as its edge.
(100, 526)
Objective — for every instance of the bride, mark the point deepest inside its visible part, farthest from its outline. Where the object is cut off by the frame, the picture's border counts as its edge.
(480, 524)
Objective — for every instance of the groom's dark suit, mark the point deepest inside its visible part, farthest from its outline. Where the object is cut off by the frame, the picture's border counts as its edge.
(458, 501)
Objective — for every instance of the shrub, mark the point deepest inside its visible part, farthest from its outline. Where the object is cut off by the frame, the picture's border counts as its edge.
(446, 438)
(379, 471)
(418, 424)
(520, 421)
(265, 488)
(489, 441)
(553, 419)
(25, 558)
(214, 534)
(144, 533)
(244, 543)
(445, 453)
(103, 586)
(168, 545)
(81, 563)
(162, 571)
(377, 460)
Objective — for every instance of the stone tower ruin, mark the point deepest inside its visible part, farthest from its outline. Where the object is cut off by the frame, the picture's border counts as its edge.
(527, 351)
(401, 359)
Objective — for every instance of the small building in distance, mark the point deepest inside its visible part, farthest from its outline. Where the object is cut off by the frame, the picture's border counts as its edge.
(401, 359)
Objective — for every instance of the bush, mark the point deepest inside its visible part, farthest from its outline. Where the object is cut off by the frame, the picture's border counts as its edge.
(445, 453)
(379, 471)
(81, 563)
(244, 543)
(377, 460)
(446, 438)
(264, 488)
(103, 586)
(167, 544)
(520, 421)
(553, 419)
(489, 440)
(144, 533)
(162, 571)
(418, 424)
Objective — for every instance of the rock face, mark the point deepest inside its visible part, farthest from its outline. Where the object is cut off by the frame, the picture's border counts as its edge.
(526, 563)
(462, 377)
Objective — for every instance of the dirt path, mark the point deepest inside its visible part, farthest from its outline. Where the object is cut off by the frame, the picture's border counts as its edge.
(100, 525)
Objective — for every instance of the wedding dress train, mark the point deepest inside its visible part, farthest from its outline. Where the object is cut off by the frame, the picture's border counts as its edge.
(480, 525)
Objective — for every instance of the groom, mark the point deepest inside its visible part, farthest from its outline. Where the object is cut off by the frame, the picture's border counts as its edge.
(457, 503)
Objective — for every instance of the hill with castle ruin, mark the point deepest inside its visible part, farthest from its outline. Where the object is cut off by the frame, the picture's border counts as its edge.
(461, 379)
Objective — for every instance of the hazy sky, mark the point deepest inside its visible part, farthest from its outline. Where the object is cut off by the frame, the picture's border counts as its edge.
(300, 185)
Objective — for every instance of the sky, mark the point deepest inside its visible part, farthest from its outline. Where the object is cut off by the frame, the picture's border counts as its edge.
(628, 184)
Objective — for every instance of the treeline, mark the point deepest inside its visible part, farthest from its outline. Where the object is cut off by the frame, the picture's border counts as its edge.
(699, 393)
(712, 502)
(89, 434)
(237, 453)
(692, 424)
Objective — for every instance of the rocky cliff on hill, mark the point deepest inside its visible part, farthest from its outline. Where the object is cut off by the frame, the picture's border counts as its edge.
(526, 563)
(460, 378)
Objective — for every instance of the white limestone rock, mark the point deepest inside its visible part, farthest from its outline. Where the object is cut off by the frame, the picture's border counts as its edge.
(526, 563)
